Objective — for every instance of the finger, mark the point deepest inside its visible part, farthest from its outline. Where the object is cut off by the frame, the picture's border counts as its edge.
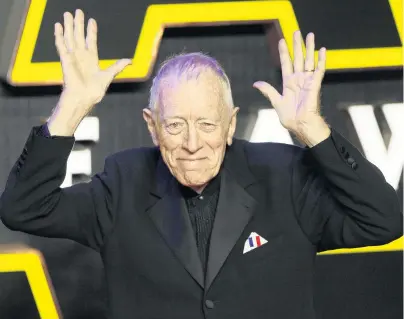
(298, 59)
(68, 31)
(309, 64)
(79, 29)
(91, 40)
(59, 40)
(286, 63)
(117, 68)
(321, 65)
(269, 92)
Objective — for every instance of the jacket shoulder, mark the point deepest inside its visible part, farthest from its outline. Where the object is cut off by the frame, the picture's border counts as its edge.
(270, 153)
(140, 158)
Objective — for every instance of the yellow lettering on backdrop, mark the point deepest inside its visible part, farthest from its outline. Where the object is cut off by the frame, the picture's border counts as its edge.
(30, 261)
(161, 16)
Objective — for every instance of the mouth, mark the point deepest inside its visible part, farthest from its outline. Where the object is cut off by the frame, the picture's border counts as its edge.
(192, 159)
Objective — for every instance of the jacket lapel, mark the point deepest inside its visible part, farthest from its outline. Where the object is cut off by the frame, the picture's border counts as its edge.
(169, 213)
(234, 210)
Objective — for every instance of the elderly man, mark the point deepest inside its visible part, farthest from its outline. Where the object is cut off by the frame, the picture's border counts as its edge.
(203, 225)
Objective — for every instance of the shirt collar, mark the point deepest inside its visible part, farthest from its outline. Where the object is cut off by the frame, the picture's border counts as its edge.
(210, 189)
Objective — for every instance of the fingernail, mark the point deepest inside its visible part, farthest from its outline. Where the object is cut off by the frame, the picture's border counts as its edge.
(257, 84)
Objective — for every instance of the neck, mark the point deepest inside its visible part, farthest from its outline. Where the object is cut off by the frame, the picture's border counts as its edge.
(198, 189)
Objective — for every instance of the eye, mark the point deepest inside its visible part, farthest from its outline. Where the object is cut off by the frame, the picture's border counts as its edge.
(208, 126)
(174, 127)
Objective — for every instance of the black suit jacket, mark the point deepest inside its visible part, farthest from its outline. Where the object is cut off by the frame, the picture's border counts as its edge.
(300, 200)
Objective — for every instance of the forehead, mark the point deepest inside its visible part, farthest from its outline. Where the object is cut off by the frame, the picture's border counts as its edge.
(201, 96)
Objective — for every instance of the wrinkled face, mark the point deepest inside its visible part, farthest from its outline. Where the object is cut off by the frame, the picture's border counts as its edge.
(192, 126)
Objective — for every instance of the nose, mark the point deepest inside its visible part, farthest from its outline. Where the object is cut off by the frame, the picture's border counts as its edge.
(192, 141)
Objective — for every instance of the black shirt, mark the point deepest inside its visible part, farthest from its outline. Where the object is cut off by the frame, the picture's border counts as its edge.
(202, 211)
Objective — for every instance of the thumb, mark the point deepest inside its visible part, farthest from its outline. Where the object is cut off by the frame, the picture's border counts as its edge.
(269, 92)
(117, 68)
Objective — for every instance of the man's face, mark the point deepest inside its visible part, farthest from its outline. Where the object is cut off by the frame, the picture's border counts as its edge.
(192, 126)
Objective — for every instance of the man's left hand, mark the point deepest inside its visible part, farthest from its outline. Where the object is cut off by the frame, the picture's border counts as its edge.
(298, 107)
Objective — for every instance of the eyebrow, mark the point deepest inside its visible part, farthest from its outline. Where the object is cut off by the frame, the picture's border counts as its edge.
(182, 118)
(206, 119)
(173, 117)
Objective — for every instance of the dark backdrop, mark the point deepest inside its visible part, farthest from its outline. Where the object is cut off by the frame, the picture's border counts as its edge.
(363, 285)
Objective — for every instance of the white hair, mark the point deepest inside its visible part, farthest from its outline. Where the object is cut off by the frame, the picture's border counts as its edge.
(190, 65)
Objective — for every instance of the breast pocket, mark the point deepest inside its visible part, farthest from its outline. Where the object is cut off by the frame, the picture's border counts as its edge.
(263, 250)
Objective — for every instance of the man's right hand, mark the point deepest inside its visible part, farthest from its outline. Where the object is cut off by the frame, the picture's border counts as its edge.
(85, 83)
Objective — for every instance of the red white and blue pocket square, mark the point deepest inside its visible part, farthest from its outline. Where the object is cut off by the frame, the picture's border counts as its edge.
(253, 241)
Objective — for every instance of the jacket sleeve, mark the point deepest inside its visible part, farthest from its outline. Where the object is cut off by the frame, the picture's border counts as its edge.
(33, 201)
(342, 200)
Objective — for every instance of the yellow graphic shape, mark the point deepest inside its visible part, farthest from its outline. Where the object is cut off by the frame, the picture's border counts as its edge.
(393, 246)
(161, 16)
(31, 262)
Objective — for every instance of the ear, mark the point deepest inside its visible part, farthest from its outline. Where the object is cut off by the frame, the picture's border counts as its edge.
(148, 117)
(232, 125)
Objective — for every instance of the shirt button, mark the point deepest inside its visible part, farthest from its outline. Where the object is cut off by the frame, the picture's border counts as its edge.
(201, 197)
(209, 304)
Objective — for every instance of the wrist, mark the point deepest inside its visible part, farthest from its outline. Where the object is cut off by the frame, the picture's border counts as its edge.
(67, 116)
(62, 125)
(313, 132)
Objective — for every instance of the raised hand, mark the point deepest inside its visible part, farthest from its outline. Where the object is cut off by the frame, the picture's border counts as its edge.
(85, 83)
(298, 106)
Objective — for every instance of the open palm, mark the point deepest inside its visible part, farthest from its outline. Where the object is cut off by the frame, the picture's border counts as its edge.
(78, 54)
(299, 101)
